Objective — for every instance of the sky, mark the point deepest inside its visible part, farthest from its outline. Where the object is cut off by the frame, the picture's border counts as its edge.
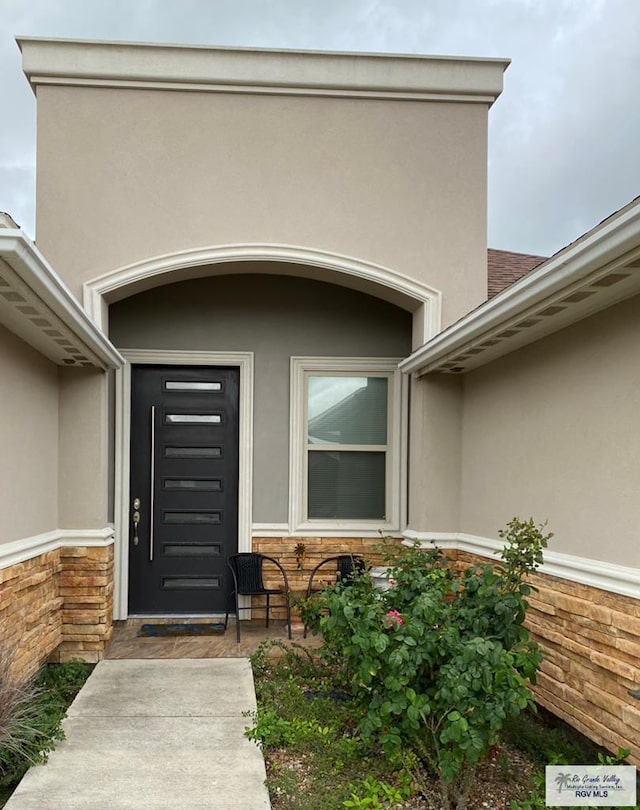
(564, 136)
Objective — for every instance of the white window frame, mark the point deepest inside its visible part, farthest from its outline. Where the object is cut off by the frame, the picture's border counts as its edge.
(395, 483)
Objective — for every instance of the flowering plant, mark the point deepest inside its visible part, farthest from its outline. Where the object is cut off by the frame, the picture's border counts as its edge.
(458, 662)
(393, 619)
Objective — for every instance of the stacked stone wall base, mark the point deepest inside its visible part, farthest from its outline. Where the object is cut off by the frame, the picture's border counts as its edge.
(30, 613)
(591, 642)
(57, 607)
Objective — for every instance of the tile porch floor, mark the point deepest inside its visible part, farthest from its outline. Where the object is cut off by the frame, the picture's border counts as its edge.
(126, 644)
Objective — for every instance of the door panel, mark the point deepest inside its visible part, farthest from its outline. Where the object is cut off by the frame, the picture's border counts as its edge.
(183, 488)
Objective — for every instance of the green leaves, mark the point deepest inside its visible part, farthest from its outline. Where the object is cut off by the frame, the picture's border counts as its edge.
(523, 550)
(31, 713)
(438, 663)
(271, 730)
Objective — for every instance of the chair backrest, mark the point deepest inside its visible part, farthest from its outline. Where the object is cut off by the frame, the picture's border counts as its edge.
(247, 569)
(349, 566)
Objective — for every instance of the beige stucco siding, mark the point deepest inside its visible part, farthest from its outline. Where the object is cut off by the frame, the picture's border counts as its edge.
(275, 317)
(28, 440)
(145, 173)
(434, 453)
(84, 463)
(552, 431)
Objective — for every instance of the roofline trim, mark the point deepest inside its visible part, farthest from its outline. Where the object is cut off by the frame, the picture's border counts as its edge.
(247, 70)
(598, 250)
(37, 306)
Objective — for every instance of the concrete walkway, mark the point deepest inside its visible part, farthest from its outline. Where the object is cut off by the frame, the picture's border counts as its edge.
(154, 734)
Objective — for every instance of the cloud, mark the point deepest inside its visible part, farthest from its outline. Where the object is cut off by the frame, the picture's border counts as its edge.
(564, 152)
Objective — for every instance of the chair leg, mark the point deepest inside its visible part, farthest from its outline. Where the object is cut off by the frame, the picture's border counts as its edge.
(304, 632)
(233, 598)
(226, 615)
(267, 620)
(288, 604)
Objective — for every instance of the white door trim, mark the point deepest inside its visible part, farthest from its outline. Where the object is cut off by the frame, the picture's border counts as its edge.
(241, 360)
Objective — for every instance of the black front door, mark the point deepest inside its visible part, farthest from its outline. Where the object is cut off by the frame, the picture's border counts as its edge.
(183, 488)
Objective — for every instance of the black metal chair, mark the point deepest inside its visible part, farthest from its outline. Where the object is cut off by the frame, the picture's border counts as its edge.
(248, 581)
(347, 567)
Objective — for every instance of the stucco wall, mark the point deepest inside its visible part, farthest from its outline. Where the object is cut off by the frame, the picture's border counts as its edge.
(28, 440)
(84, 449)
(275, 317)
(434, 453)
(151, 172)
(552, 431)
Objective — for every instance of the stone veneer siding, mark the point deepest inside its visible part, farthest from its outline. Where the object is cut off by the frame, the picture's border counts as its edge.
(30, 612)
(283, 549)
(56, 607)
(591, 641)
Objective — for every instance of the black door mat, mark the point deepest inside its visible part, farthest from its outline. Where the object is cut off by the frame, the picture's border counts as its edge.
(164, 630)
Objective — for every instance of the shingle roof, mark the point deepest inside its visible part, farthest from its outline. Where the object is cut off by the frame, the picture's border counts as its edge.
(504, 267)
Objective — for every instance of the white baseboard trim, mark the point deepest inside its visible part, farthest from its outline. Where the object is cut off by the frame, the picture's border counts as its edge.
(29, 548)
(595, 573)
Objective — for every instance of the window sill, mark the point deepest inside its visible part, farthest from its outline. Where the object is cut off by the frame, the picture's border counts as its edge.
(350, 528)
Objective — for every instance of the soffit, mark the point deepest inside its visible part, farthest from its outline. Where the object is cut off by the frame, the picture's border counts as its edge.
(597, 271)
(36, 306)
(246, 70)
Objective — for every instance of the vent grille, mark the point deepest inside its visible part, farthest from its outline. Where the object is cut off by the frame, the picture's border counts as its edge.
(551, 311)
(12, 296)
(577, 297)
(610, 280)
(61, 346)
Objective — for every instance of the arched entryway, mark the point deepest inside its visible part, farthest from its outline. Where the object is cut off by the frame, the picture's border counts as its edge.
(254, 315)
(383, 282)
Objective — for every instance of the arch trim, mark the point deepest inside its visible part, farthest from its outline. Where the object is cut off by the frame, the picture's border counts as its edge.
(425, 301)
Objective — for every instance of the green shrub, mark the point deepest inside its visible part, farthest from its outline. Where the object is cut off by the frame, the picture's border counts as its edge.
(376, 794)
(271, 730)
(31, 713)
(64, 681)
(19, 715)
(438, 663)
(304, 716)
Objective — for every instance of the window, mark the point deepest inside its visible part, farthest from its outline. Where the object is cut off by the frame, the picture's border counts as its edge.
(345, 443)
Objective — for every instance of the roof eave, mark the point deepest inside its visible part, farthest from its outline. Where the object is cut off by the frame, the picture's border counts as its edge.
(584, 270)
(37, 306)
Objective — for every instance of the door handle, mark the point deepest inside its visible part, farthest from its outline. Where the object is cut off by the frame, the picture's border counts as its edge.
(136, 520)
(152, 475)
